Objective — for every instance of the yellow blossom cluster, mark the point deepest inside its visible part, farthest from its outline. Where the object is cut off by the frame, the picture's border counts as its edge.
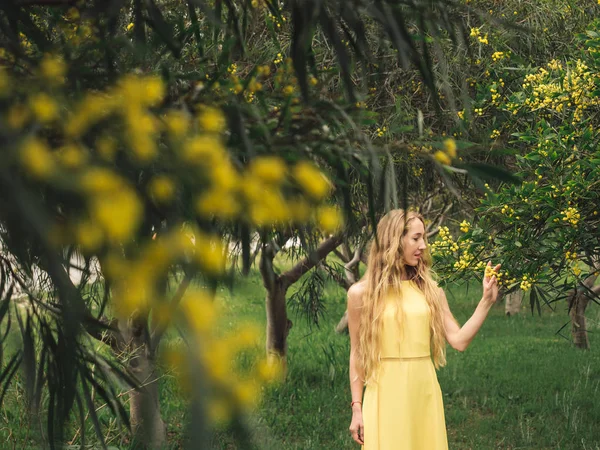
(127, 122)
(526, 283)
(571, 215)
(448, 153)
(464, 260)
(445, 245)
(497, 56)
(381, 131)
(465, 226)
(571, 256)
(562, 89)
(507, 210)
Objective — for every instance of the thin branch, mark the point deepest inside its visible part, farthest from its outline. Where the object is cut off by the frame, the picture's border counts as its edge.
(324, 249)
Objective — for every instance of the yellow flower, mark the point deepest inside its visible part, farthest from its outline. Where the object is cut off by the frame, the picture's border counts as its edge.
(202, 149)
(44, 108)
(161, 188)
(88, 235)
(329, 219)
(311, 180)
(100, 180)
(247, 393)
(464, 226)
(118, 213)
(177, 123)
(130, 26)
(72, 156)
(212, 120)
(210, 254)
(270, 370)
(199, 310)
(268, 169)
(299, 210)
(288, 90)
(53, 69)
(450, 147)
(219, 204)
(106, 147)
(37, 159)
(442, 157)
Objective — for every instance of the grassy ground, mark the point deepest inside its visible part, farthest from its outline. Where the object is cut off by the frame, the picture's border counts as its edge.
(518, 386)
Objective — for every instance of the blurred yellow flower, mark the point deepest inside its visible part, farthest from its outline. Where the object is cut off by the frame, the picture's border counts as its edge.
(270, 370)
(37, 159)
(211, 120)
(442, 157)
(299, 210)
(118, 213)
(101, 180)
(53, 69)
(329, 219)
(177, 123)
(199, 311)
(43, 107)
(217, 203)
(106, 147)
(88, 235)
(311, 180)
(161, 188)
(202, 149)
(450, 147)
(208, 252)
(72, 156)
(268, 169)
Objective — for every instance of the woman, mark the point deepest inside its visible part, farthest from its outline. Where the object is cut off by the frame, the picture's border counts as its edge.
(399, 323)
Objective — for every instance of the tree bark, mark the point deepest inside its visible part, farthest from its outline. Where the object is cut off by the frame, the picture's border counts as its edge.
(278, 323)
(514, 300)
(147, 426)
(577, 308)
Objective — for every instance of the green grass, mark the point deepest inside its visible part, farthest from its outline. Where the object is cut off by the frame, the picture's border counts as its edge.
(518, 386)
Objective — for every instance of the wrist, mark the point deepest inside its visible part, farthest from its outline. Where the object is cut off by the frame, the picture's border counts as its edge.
(356, 406)
(486, 302)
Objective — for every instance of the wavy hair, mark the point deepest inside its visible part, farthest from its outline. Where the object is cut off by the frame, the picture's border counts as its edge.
(385, 270)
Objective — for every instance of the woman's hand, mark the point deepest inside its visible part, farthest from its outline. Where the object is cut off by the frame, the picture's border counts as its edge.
(490, 283)
(356, 426)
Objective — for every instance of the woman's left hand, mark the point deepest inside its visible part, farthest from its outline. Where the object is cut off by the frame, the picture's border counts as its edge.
(490, 283)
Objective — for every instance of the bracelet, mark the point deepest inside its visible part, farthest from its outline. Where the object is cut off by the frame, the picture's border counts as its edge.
(352, 403)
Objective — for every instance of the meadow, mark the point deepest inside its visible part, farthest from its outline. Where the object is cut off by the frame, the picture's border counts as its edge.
(520, 385)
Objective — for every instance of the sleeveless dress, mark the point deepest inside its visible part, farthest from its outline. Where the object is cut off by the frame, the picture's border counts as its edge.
(403, 409)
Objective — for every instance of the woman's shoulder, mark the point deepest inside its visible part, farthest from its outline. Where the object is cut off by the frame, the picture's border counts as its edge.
(356, 292)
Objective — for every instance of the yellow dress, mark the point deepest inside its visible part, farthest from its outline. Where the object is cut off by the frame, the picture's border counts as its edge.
(403, 409)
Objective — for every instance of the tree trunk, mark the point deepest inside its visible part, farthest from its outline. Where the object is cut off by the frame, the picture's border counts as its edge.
(513, 303)
(578, 322)
(342, 326)
(278, 324)
(147, 426)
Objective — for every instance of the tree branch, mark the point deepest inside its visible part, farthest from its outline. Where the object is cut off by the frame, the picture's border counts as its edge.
(326, 247)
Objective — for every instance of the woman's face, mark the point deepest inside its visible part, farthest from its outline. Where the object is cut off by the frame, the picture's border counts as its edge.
(414, 242)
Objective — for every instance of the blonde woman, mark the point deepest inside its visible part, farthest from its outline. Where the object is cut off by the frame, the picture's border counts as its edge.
(399, 323)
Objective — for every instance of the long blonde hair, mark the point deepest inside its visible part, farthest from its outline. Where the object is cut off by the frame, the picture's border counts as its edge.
(385, 271)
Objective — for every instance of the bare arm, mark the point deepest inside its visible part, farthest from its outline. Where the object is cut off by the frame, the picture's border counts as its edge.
(460, 337)
(355, 294)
